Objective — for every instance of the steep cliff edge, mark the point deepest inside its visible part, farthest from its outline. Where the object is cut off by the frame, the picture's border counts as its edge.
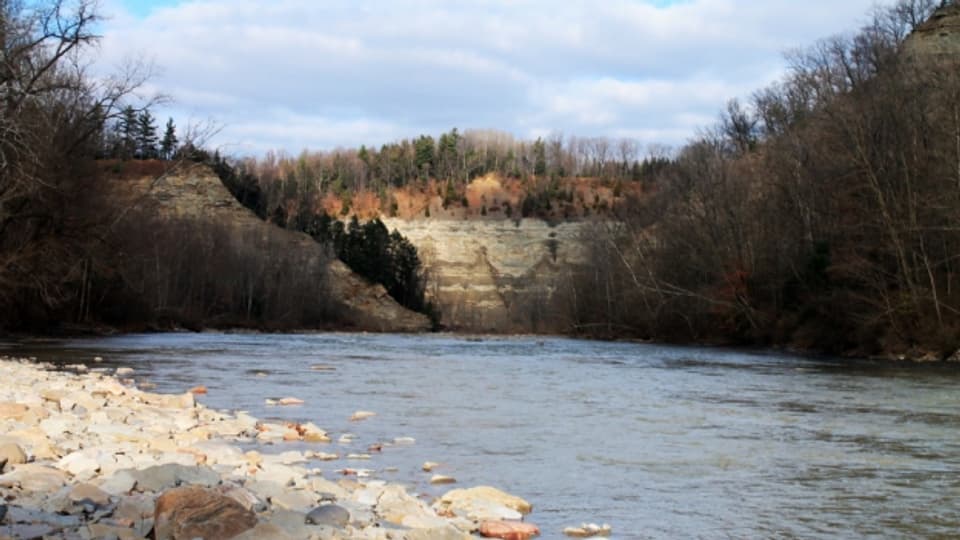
(939, 36)
(499, 275)
(195, 193)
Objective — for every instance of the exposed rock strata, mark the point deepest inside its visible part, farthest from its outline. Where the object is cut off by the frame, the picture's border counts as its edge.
(499, 275)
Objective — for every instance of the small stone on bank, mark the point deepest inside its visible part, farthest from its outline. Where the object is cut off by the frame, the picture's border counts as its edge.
(430, 465)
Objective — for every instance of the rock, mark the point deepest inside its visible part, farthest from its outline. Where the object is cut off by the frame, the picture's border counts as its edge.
(123, 371)
(405, 441)
(329, 514)
(312, 433)
(322, 367)
(508, 530)
(438, 533)
(194, 512)
(294, 500)
(246, 498)
(101, 530)
(12, 411)
(429, 466)
(136, 511)
(464, 498)
(265, 489)
(324, 456)
(292, 522)
(482, 504)
(361, 415)
(290, 401)
(83, 464)
(265, 531)
(587, 530)
(196, 390)
(279, 473)
(161, 477)
(120, 483)
(394, 505)
(84, 493)
(34, 478)
(12, 454)
(441, 479)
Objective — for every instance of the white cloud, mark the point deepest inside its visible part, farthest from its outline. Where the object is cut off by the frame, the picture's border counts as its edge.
(294, 73)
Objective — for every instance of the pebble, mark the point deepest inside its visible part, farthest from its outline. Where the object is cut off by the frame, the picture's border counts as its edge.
(290, 401)
(430, 466)
(123, 371)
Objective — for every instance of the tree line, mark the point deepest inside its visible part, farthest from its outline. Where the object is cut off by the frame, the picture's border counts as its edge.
(450, 162)
(823, 212)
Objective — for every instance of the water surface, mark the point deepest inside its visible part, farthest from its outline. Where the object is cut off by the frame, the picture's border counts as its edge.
(660, 442)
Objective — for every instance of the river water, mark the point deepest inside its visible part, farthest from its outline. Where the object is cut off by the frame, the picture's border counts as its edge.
(657, 441)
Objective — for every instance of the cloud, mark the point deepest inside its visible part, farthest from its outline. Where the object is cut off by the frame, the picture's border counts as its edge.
(296, 73)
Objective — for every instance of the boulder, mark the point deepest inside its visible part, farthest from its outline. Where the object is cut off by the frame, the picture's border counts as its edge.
(508, 530)
(195, 512)
(482, 503)
(331, 515)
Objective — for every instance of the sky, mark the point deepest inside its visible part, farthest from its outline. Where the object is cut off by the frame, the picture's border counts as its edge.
(318, 74)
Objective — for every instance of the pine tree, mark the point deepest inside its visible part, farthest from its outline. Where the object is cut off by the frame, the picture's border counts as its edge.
(146, 136)
(128, 133)
(168, 146)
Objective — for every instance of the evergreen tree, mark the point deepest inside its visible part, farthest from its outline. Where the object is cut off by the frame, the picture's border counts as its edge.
(146, 136)
(127, 130)
(168, 146)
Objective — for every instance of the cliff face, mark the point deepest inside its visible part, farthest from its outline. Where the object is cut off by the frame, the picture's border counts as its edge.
(939, 37)
(498, 275)
(196, 193)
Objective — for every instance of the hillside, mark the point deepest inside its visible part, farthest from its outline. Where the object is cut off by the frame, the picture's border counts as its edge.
(195, 195)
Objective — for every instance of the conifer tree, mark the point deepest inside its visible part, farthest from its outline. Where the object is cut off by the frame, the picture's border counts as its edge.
(168, 146)
(146, 136)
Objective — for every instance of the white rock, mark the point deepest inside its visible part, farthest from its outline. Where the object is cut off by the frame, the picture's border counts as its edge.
(361, 415)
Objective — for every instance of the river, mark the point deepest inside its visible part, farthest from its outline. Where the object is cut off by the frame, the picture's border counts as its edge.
(657, 441)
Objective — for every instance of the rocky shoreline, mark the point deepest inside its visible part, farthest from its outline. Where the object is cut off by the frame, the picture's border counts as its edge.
(86, 454)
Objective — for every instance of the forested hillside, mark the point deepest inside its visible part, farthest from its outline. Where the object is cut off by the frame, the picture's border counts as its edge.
(823, 212)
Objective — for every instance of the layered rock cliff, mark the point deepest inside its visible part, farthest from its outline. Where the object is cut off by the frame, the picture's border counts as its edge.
(195, 193)
(498, 275)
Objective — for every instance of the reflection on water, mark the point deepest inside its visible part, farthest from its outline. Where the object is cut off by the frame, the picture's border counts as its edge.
(660, 442)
